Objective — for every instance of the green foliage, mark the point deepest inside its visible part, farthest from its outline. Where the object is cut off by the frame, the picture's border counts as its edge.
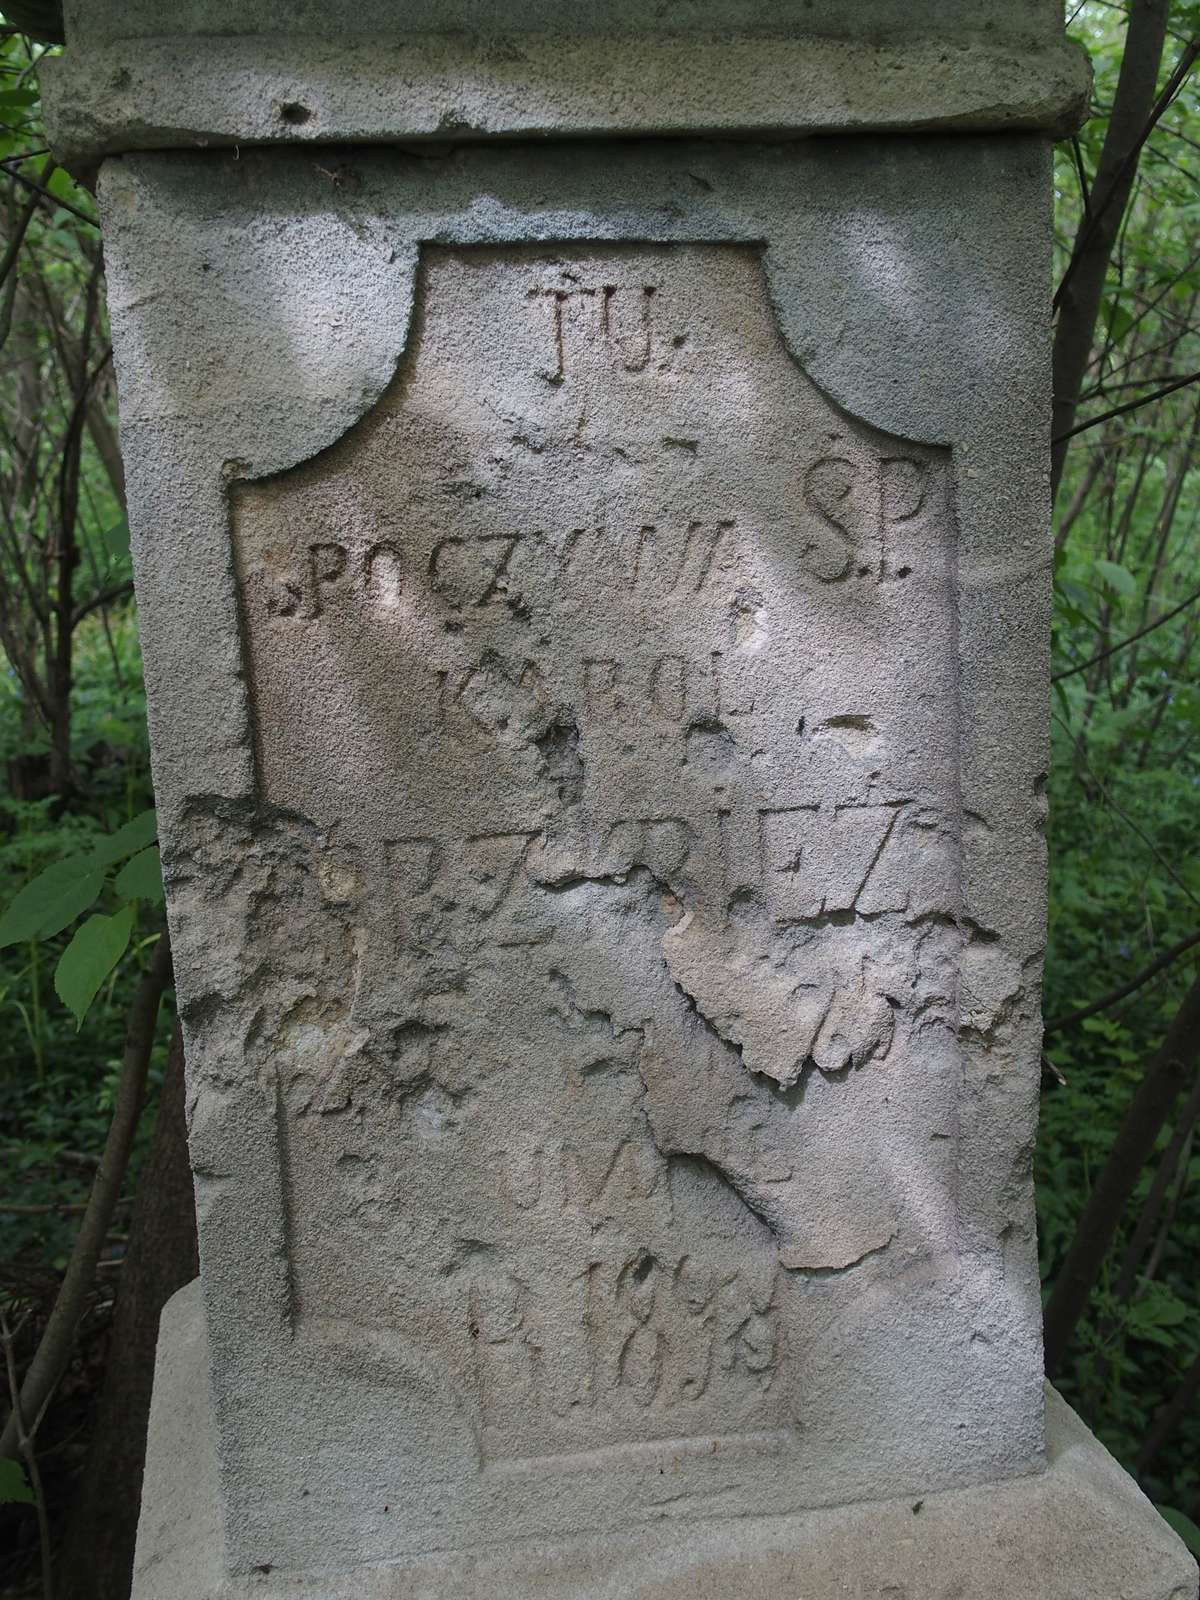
(141, 877)
(14, 1488)
(1184, 1527)
(89, 959)
(54, 898)
(1116, 577)
(65, 889)
(1124, 829)
(68, 887)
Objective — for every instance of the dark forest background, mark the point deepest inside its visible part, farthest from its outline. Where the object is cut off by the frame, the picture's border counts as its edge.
(95, 1211)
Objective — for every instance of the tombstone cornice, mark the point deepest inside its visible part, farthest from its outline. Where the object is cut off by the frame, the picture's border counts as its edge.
(118, 92)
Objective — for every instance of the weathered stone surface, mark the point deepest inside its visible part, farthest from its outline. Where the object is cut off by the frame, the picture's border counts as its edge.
(92, 22)
(231, 75)
(606, 859)
(1079, 1531)
(600, 795)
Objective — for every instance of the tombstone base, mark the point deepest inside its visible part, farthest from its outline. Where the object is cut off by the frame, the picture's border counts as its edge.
(1081, 1530)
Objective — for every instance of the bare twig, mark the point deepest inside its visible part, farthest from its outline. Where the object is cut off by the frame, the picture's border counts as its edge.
(1107, 1001)
(118, 591)
(1130, 405)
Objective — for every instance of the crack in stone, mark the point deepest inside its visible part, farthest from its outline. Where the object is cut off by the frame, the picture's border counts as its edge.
(820, 1274)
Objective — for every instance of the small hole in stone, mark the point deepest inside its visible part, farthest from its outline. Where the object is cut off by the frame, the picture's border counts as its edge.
(292, 111)
(903, 572)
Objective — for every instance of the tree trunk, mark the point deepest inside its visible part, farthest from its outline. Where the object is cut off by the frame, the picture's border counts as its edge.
(97, 1555)
(1167, 1075)
(1084, 282)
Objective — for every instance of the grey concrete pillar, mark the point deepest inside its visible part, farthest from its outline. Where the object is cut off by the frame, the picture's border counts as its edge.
(588, 476)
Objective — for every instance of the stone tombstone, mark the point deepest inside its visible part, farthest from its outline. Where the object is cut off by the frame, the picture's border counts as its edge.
(592, 547)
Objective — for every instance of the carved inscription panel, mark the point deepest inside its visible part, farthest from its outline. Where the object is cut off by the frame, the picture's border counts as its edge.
(604, 686)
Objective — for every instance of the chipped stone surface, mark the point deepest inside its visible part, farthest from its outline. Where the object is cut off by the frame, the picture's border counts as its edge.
(594, 605)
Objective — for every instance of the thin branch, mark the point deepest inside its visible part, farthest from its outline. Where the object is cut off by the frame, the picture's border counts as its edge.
(1106, 1002)
(1081, 174)
(46, 194)
(1128, 383)
(1069, 672)
(1081, 292)
(18, 237)
(105, 598)
(1130, 405)
(1172, 1211)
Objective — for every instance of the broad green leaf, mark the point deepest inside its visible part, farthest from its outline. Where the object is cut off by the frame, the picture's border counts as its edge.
(1158, 1311)
(1183, 1526)
(135, 835)
(54, 898)
(141, 876)
(14, 1491)
(116, 538)
(1117, 319)
(64, 187)
(1116, 577)
(89, 958)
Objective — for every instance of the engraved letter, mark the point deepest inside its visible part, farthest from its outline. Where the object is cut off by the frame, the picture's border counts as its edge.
(600, 679)
(788, 837)
(902, 484)
(326, 564)
(668, 687)
(827, 488)
(383, 568)
(630, 347)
